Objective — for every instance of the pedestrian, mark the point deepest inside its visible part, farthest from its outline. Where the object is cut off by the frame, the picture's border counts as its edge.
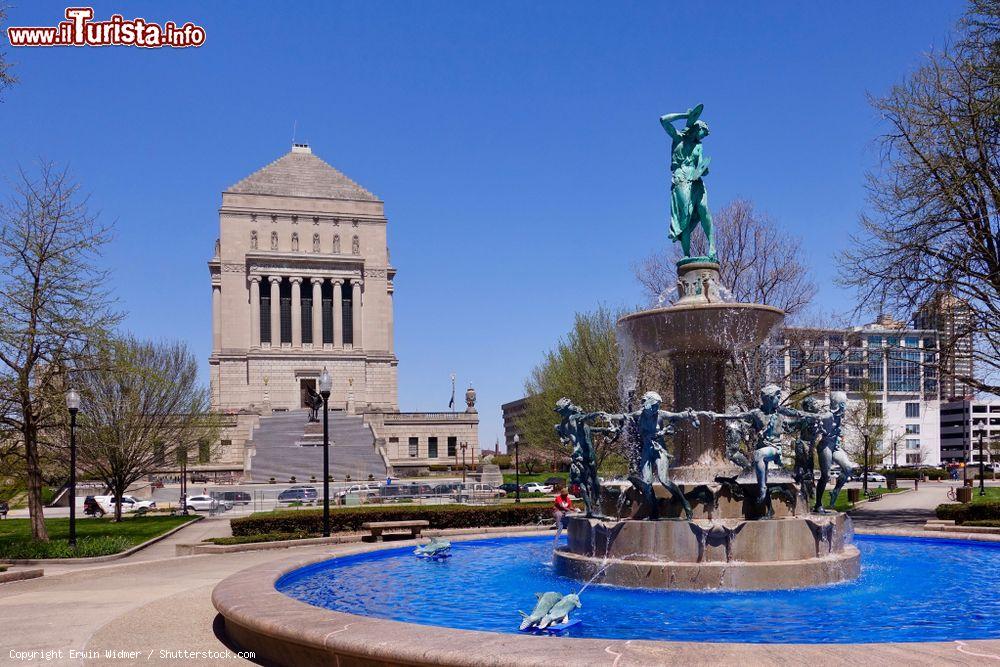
(562, 506)
(4, 508)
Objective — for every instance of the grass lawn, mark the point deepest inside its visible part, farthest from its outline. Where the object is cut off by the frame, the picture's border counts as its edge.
(992, 494)
(94, 537)
(842, 503)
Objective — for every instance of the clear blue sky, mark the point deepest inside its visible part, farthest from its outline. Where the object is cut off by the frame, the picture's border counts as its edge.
(516, 146)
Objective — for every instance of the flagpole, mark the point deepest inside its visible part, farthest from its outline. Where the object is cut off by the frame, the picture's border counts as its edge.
(451, 404)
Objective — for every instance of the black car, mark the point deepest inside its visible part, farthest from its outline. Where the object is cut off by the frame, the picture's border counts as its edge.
(509, 487)
(556, 483)
(91, 507)
(301, 494)
(235, 497)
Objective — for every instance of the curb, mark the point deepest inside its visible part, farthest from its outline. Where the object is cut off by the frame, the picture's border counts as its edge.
(102, 559)
(20, 575)
(928, 535)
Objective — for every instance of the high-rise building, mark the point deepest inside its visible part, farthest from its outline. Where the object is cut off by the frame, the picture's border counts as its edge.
(886, 357)
(952, 319)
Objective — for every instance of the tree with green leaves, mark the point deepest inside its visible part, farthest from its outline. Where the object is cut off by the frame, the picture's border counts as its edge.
(7, 77)
(865, 430)
(585, 365)
(142, 407)
(54, 305)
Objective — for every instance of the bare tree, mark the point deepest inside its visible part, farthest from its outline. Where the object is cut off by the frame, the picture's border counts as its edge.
(865, 428)
(142, 406)
(758, 263)
(7, 77)
(932, 224)
(53, 303)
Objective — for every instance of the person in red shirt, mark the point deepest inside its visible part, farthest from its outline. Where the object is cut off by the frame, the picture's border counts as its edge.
(562, 506)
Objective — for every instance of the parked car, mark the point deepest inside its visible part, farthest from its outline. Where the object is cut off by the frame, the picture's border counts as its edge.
(128, 503)
(360, 489)
(235, 497)
(556, 483)
(298, 494)
(872, 477)
(509, 488)
(202, 503)
(199, 478)
(536, 487)
(91, 507)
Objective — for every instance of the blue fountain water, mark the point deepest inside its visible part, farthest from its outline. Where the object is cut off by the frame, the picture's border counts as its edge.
(909, 590)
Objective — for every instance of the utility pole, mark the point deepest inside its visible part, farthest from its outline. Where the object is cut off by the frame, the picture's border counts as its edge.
(982, 471)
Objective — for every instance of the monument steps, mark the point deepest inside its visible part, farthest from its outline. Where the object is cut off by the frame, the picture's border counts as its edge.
(288, 445)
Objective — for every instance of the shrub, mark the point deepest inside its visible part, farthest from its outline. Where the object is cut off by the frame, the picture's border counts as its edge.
(85, 548)
(962, 512)
(350, 519)
(986, 523)
(505, 461)
(261, 537)
(912, 473)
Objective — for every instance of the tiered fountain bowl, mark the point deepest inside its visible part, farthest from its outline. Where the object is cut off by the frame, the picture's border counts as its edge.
(728, 544)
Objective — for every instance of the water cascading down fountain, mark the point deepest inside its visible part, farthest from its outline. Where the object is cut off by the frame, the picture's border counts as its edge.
(723, 519)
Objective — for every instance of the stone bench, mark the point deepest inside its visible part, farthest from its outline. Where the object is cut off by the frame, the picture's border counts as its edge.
(376, 528)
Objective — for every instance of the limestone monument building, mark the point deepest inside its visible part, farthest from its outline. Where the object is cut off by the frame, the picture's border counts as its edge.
(302, 281)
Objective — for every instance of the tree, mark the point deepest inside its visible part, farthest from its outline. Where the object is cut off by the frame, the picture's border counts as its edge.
(932, 224)
(866, 429)
(7, 77)
(141, 406)
(53, 304)
(758, 263)
(585, 366)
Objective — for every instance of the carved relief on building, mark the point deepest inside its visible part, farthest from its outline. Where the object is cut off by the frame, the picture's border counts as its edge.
(274, 240)
(355, 244)
(375, 273)
(233, 267)
(315, 242)
(295, 241)
(253, 239)
(336, 244)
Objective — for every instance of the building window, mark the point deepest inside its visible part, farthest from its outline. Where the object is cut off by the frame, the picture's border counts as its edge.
(204, 451)
(912, 443)
(307, 319)
(912, 429)
(285, 294)
(159, 453)
(912, 410)
(452, 445)
(875, 410)
(347, 313)
(913, 458)
(265, 319)
(432, 448)
(414, 447)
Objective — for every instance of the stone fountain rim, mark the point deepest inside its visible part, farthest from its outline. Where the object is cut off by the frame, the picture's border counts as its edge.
(288, 631)
(677, 308)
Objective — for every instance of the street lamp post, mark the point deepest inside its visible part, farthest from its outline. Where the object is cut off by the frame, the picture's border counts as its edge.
(982, 472)
(325, 385)
(73, 405)
(517, 468)
(464, 446)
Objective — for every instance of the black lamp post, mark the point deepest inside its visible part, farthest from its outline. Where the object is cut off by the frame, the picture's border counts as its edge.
(325, 385)
(464, 445)
(517, 468)
(982, 472)
(73, 405)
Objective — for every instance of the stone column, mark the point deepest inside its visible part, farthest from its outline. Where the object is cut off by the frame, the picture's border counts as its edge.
(254, 311)
(356, 313)
(296, 311)
(275, 311)
(216, 318)
(338, 315)
(317, 284)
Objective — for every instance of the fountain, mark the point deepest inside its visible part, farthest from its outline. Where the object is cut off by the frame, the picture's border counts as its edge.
(721, 528)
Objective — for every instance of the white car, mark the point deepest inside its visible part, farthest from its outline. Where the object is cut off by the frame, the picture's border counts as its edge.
(872, 477)
(537, 487)
(128, 503)
(360, 489)
(206, 503)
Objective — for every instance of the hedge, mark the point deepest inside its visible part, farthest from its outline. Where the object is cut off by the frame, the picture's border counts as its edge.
(962, 512)
(912, 473)
(350, 519)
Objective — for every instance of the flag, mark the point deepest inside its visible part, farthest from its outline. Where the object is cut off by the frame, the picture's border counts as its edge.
(451, 403)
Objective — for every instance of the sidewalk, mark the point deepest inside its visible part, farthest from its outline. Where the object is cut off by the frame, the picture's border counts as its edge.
(908, 510)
